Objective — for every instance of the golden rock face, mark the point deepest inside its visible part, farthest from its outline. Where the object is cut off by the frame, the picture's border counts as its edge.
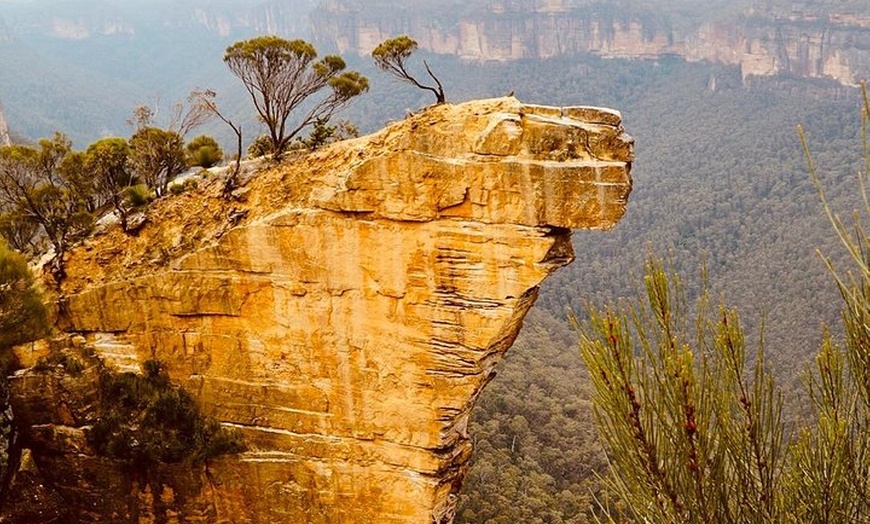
(346, 315)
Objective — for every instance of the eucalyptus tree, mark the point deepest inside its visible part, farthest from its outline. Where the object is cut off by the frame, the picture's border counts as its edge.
(157, 157)
(282, 75)
(106, 161)
(392, 55)
(37, 191)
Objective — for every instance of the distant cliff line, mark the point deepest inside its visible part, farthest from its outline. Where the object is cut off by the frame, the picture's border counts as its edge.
(834, 46)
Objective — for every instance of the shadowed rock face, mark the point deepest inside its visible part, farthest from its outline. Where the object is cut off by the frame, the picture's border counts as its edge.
(345, 316)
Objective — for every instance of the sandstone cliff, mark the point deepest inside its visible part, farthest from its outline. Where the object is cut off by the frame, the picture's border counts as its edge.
(804, 44)
(343, 313)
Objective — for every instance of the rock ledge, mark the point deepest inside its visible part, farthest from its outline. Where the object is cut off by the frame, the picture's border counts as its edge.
(345, 316)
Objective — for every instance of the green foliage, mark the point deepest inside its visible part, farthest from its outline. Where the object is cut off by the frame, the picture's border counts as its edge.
(322, 134)
(261, 146)
(344, 87)
(692, 436)
(18, 231)
(394, 51)
(106, 162)
(82, 183)
(156, 157)
(34, 189)
(391, 56)
(203, 151)
(145, 420)
(22, 314)
(280, 75)
(830, 470)
(692, 439)
(139, 195)
(189, 184)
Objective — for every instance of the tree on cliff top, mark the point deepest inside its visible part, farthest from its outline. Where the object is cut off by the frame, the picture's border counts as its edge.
(391, 56)
(157, 157)
(36, 189)
(280, 75)
(106, 162)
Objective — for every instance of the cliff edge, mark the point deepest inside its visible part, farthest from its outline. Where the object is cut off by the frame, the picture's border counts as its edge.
(343, 313)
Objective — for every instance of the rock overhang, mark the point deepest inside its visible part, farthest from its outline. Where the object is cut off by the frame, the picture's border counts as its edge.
(348, 321)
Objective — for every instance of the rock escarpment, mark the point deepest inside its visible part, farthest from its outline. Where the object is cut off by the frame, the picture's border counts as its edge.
(343, 313)
(801, 42)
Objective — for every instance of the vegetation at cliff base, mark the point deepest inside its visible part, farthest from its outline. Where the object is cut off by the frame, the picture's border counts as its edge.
(145, 420)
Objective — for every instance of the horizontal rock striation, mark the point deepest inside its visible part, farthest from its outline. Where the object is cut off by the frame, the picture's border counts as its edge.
(344, 313)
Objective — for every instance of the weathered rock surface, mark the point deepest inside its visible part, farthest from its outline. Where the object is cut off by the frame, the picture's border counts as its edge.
(345, 316)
